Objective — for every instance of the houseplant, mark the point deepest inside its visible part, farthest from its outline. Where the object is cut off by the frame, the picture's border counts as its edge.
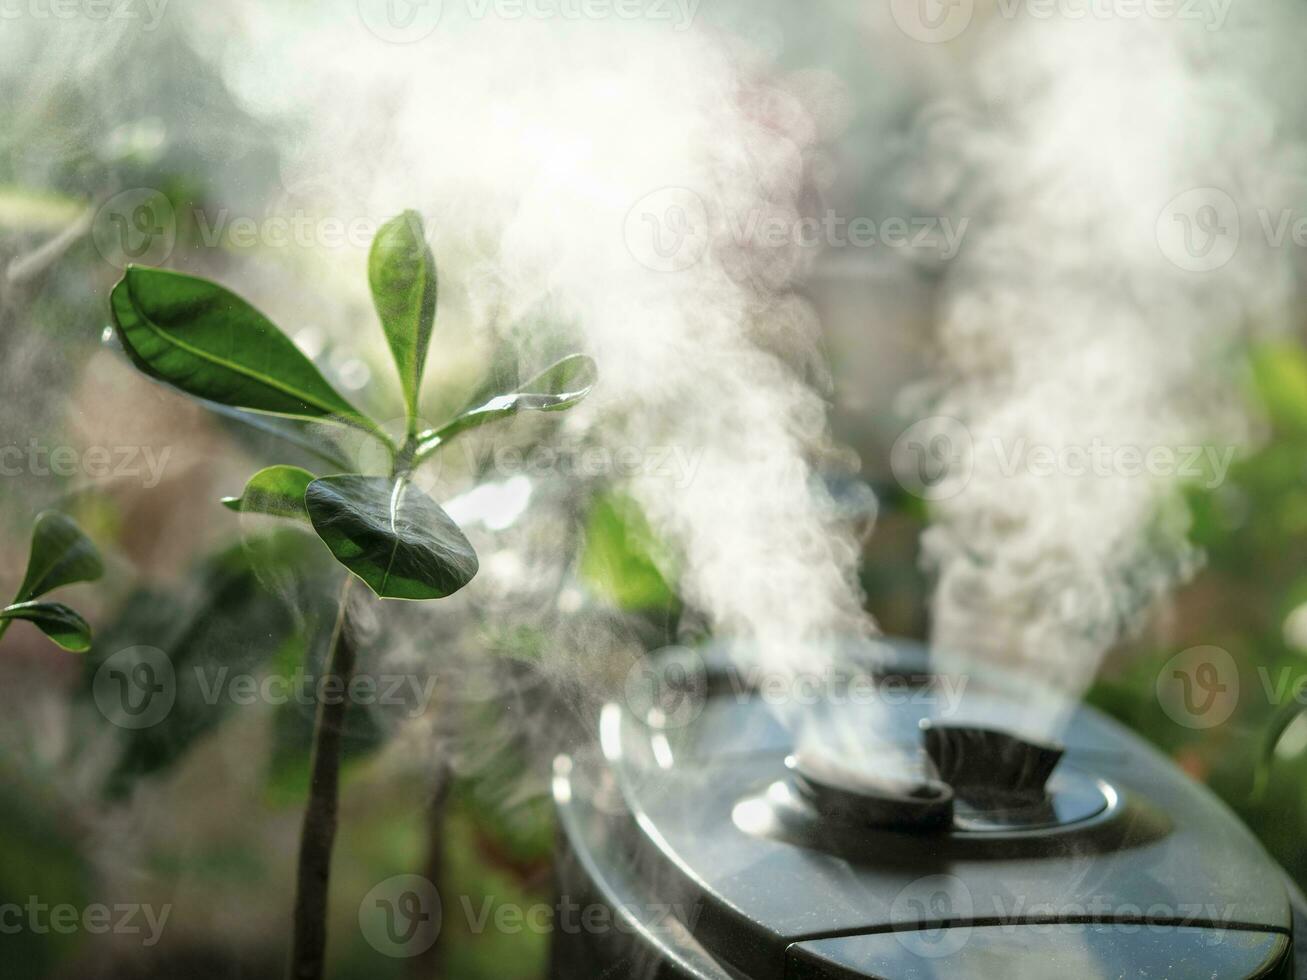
(206, 341)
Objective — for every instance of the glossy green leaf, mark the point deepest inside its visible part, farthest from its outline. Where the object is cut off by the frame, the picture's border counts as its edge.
(391, 535)
(402, 273)
(277, 491)
(61, 555)
(197, 336)
(55, 620)
(558, 387)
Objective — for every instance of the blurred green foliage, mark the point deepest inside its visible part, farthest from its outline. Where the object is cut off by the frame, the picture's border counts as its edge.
(621, 559)
(1251, 529)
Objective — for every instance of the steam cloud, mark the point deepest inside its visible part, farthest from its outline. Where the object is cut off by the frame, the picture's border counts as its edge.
(608, 188)
(1079, 319)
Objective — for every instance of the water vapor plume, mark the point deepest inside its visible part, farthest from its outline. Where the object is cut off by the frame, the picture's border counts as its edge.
(1092, 331)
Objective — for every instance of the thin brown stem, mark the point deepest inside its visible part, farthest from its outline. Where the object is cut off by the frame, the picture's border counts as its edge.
(318, 834)
(430, 965)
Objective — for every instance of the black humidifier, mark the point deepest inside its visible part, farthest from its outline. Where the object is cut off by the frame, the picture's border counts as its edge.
(730, 848)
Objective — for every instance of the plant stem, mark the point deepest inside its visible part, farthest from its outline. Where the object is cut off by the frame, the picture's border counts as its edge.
(318, 834)
(430, 965)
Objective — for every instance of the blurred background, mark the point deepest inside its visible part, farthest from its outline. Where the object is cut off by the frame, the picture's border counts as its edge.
(1000, 225)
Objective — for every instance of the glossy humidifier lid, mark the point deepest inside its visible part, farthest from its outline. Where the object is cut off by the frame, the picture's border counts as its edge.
(989, 856)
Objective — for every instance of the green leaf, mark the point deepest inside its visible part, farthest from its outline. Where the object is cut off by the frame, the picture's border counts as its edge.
(1280, 373)
(622, 558)
(277, 490)
(216, 621)
(391, 535)
(197, 336)
(1280, 722)
(558, 387)
(402, 273)
(55, 620)
(61, 555)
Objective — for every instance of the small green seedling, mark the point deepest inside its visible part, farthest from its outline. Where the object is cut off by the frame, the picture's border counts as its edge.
(199, 337)
(61, 555)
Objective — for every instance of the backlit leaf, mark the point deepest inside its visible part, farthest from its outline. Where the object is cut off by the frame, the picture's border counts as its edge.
(277, 491)
(391, 535)
(61, 555)
(197, 336)
(402, 273)
(60, 623)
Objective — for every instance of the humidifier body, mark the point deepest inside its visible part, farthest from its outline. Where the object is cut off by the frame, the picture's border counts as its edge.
(698, 850)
